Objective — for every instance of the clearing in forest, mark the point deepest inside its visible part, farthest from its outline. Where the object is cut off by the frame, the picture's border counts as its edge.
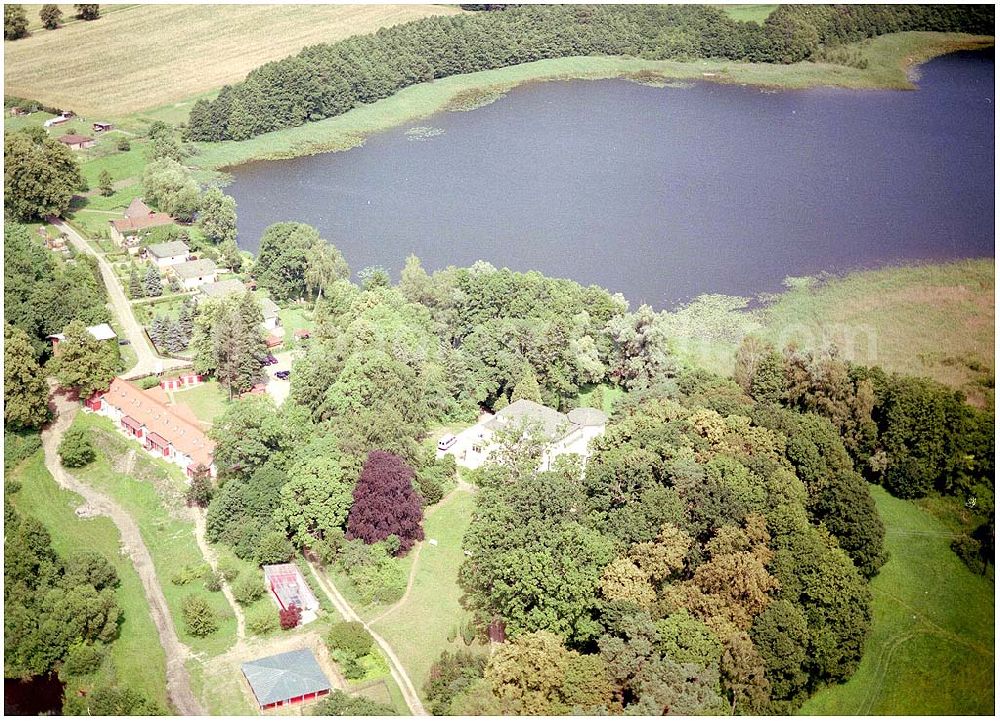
(931, 648)
(111, 66)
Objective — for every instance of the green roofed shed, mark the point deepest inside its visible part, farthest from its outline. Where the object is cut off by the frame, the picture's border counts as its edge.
(286, 678)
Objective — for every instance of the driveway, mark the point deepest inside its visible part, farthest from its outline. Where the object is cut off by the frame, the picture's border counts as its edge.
(149, 362)
(277, 388)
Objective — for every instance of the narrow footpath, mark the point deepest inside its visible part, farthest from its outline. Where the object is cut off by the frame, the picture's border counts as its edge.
(395, 665)
(198, 516)
(178, 681)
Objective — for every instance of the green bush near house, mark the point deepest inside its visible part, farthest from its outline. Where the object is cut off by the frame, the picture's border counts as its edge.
(77, 448)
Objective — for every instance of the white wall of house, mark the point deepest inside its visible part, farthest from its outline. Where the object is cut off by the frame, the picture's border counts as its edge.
(192, 283)
(170, 260)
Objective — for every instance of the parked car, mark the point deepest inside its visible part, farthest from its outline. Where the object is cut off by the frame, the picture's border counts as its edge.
(282, 375)
(270, 360)
(447, 442)
(124, 341)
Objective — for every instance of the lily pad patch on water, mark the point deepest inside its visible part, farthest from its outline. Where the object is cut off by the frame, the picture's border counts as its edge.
(423, 132)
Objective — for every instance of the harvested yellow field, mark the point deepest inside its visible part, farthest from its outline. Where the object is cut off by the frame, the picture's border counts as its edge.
(147, 56)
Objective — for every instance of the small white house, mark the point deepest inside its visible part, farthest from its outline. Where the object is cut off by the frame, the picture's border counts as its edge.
(195, 273)
(166, 254)
(270, 309)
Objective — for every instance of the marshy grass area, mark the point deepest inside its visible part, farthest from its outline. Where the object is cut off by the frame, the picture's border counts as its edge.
(932, 646)
(934, 320)
(887, 61)
(135, 660)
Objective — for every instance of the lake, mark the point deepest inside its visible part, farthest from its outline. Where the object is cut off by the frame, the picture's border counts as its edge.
(660, 193)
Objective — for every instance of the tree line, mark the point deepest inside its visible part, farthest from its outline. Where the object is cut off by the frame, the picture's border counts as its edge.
(326, 80)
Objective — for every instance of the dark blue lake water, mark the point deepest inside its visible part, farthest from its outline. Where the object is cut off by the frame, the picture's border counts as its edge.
(661, 193)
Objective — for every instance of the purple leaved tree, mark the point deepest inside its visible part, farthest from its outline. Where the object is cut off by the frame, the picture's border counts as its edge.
(385, 503)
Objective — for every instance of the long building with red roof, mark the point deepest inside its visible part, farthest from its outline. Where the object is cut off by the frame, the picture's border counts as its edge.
(162, 430)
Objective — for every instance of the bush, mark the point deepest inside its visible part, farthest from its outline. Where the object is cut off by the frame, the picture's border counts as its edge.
(149, 382)
(262, 621)
(199, 493)
(289, 617)
(339, 703)
(82, 659)
(124, 144)
(352, 668)
(213, 582)
(190, 573)
(349, 637)
(76, 448)
(19, 445)
(248, 589)
(228, 569)
(274, 547)
(199, 618)
(468, 632)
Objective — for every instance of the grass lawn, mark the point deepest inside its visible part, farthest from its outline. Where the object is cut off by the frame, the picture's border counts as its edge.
(932, 648)
(136, 660)
(748, 13)
(151, 491)
(208, 400)
(121, 164)
(611, 395)
(197, 49)
(418, 630)
(888, 58)
(292, 319)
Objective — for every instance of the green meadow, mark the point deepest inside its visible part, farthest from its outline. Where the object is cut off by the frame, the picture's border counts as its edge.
(931, 651)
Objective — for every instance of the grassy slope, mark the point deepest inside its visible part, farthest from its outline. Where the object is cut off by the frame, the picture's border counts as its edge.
(166, 529)
(198, 48)
(418, 630)
(931, 320)
(748, 13)
(135, 661)
(932, 647)
(889, 57)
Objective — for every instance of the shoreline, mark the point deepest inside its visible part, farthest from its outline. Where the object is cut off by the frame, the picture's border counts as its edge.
(892, 62)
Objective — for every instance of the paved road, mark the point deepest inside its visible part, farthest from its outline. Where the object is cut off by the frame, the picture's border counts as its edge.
(178, 681)
(148, 361)
(395, 665)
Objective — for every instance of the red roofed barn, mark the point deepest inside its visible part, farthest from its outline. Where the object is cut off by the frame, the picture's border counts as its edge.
(138, 217)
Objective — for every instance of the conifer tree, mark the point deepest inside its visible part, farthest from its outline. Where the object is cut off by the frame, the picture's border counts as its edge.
(152, 282)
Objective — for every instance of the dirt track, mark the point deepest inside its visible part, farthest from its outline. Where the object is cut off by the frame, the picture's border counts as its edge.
(178, 682)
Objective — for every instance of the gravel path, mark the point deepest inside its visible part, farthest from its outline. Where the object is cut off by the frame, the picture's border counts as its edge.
(395, 665)
(178, 681)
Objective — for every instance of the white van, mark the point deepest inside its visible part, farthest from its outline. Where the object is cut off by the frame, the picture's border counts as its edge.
(446, 442)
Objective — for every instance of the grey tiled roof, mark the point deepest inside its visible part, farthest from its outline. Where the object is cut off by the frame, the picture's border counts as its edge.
(554, 425)
(285, 676)
(194, 268)
(168, 250)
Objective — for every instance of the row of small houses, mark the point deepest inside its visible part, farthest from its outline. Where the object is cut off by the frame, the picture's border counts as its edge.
(163, 431)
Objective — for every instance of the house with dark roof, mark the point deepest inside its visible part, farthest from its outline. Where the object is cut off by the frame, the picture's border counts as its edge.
(222, 288)
(195, 273)
(561, 433)
(77, 142)
(286, 679)
(139, 217)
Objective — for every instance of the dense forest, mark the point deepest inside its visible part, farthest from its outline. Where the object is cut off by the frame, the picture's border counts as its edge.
(329, 79)
(714, 555)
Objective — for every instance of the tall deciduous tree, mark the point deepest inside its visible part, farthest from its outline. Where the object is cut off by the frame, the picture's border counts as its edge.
(385, 503)
(316, 499)
(217, 216)
(88, 12)
(40, 176)
(169, 186)
(25, 392)
(15, 23)
(83, 362)
(50, 16)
